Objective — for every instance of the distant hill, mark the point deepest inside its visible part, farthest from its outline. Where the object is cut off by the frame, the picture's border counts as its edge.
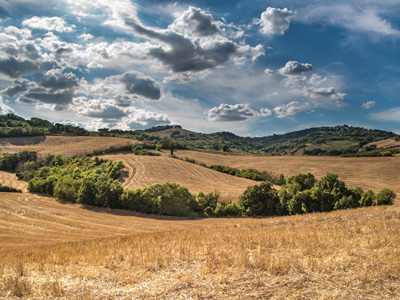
(333, 141)
(14, 126)
(341, 140)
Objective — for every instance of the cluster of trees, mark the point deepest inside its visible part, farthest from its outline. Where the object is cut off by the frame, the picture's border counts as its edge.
(81, 179)
(302, 193)
(14, 126)
(11, 161)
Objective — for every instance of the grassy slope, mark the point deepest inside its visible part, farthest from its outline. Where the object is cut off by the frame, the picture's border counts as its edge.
(54, 250)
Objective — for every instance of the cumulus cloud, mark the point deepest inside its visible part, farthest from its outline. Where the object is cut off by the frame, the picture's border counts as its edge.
(140, 85)
(195, 21)
(275, 20)
(368, 105)
(19, 86)
(48, 23)
(231, 113)
(140, 119)
(295, 68)
(17, 67)
(59, 81)
(57, 88)
(391, 115)
(289, 109)
(265, 112)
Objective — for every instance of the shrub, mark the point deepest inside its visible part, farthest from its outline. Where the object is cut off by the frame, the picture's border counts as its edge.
(260, 199)
(385, 197)
(367, 199)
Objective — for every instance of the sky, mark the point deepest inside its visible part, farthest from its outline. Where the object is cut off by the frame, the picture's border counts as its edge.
(254, 68)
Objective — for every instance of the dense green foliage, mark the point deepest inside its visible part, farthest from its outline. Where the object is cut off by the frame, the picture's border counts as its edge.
(8, 189)
(302, 193)
(15, 126)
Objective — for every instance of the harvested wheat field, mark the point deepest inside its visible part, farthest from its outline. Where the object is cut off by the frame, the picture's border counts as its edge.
(143, 171)
(11, 180)
(64, 145)
(59, 251)
(374, 173)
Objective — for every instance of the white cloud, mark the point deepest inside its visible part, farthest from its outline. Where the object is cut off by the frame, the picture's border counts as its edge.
(290, 109)
(275, 20)
(49, 24)
(4, 108)
(295, 68)
(356, 16)
(392, 115)
(231, 113)
(368, 105)
(265, 112)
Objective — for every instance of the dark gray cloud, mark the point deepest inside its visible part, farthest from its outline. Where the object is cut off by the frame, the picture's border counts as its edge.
(19, 86)
(295, 68)
(144, 86)
(183, 54)
(230, 113)
(195, 21)
(41, 95)
(107, 113)
(64, 50)
(60, 82)
(17, 67)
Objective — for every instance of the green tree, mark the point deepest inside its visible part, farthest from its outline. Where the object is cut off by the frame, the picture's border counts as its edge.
(260, 199)
(385, 197)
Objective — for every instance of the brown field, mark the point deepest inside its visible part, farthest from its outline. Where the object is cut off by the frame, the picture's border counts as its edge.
(11, 180)
(374, 173)
(386, 143)
(142, 171)
(51, 250)
(65, 145)
(54, 250)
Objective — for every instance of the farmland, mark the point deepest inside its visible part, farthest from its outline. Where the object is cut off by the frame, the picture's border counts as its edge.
(52, 249)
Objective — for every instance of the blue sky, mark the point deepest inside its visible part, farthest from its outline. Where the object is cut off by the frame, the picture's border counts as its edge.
(254, 68)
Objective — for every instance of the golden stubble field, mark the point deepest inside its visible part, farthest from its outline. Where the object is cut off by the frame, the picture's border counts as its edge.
(65, 145)
(374, 173)
(54, 250)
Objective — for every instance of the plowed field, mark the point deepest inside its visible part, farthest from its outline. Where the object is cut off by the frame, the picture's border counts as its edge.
(65, 145)
(142, 171)
(374, 173)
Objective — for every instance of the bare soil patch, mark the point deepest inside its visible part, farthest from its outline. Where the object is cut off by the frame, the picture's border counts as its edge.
(374, 173)
(64, 145)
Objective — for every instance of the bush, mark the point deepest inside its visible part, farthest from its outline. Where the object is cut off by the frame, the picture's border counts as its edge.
(260, 200)
(385, 197)
(367, 199)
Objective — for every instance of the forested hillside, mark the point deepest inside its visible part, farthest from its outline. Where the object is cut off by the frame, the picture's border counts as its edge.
(333, 141)
(14, 126)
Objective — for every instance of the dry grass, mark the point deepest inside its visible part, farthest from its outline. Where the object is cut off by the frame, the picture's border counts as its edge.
(374, 173)
(351, 254)
(142, 171)
(65, 145)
